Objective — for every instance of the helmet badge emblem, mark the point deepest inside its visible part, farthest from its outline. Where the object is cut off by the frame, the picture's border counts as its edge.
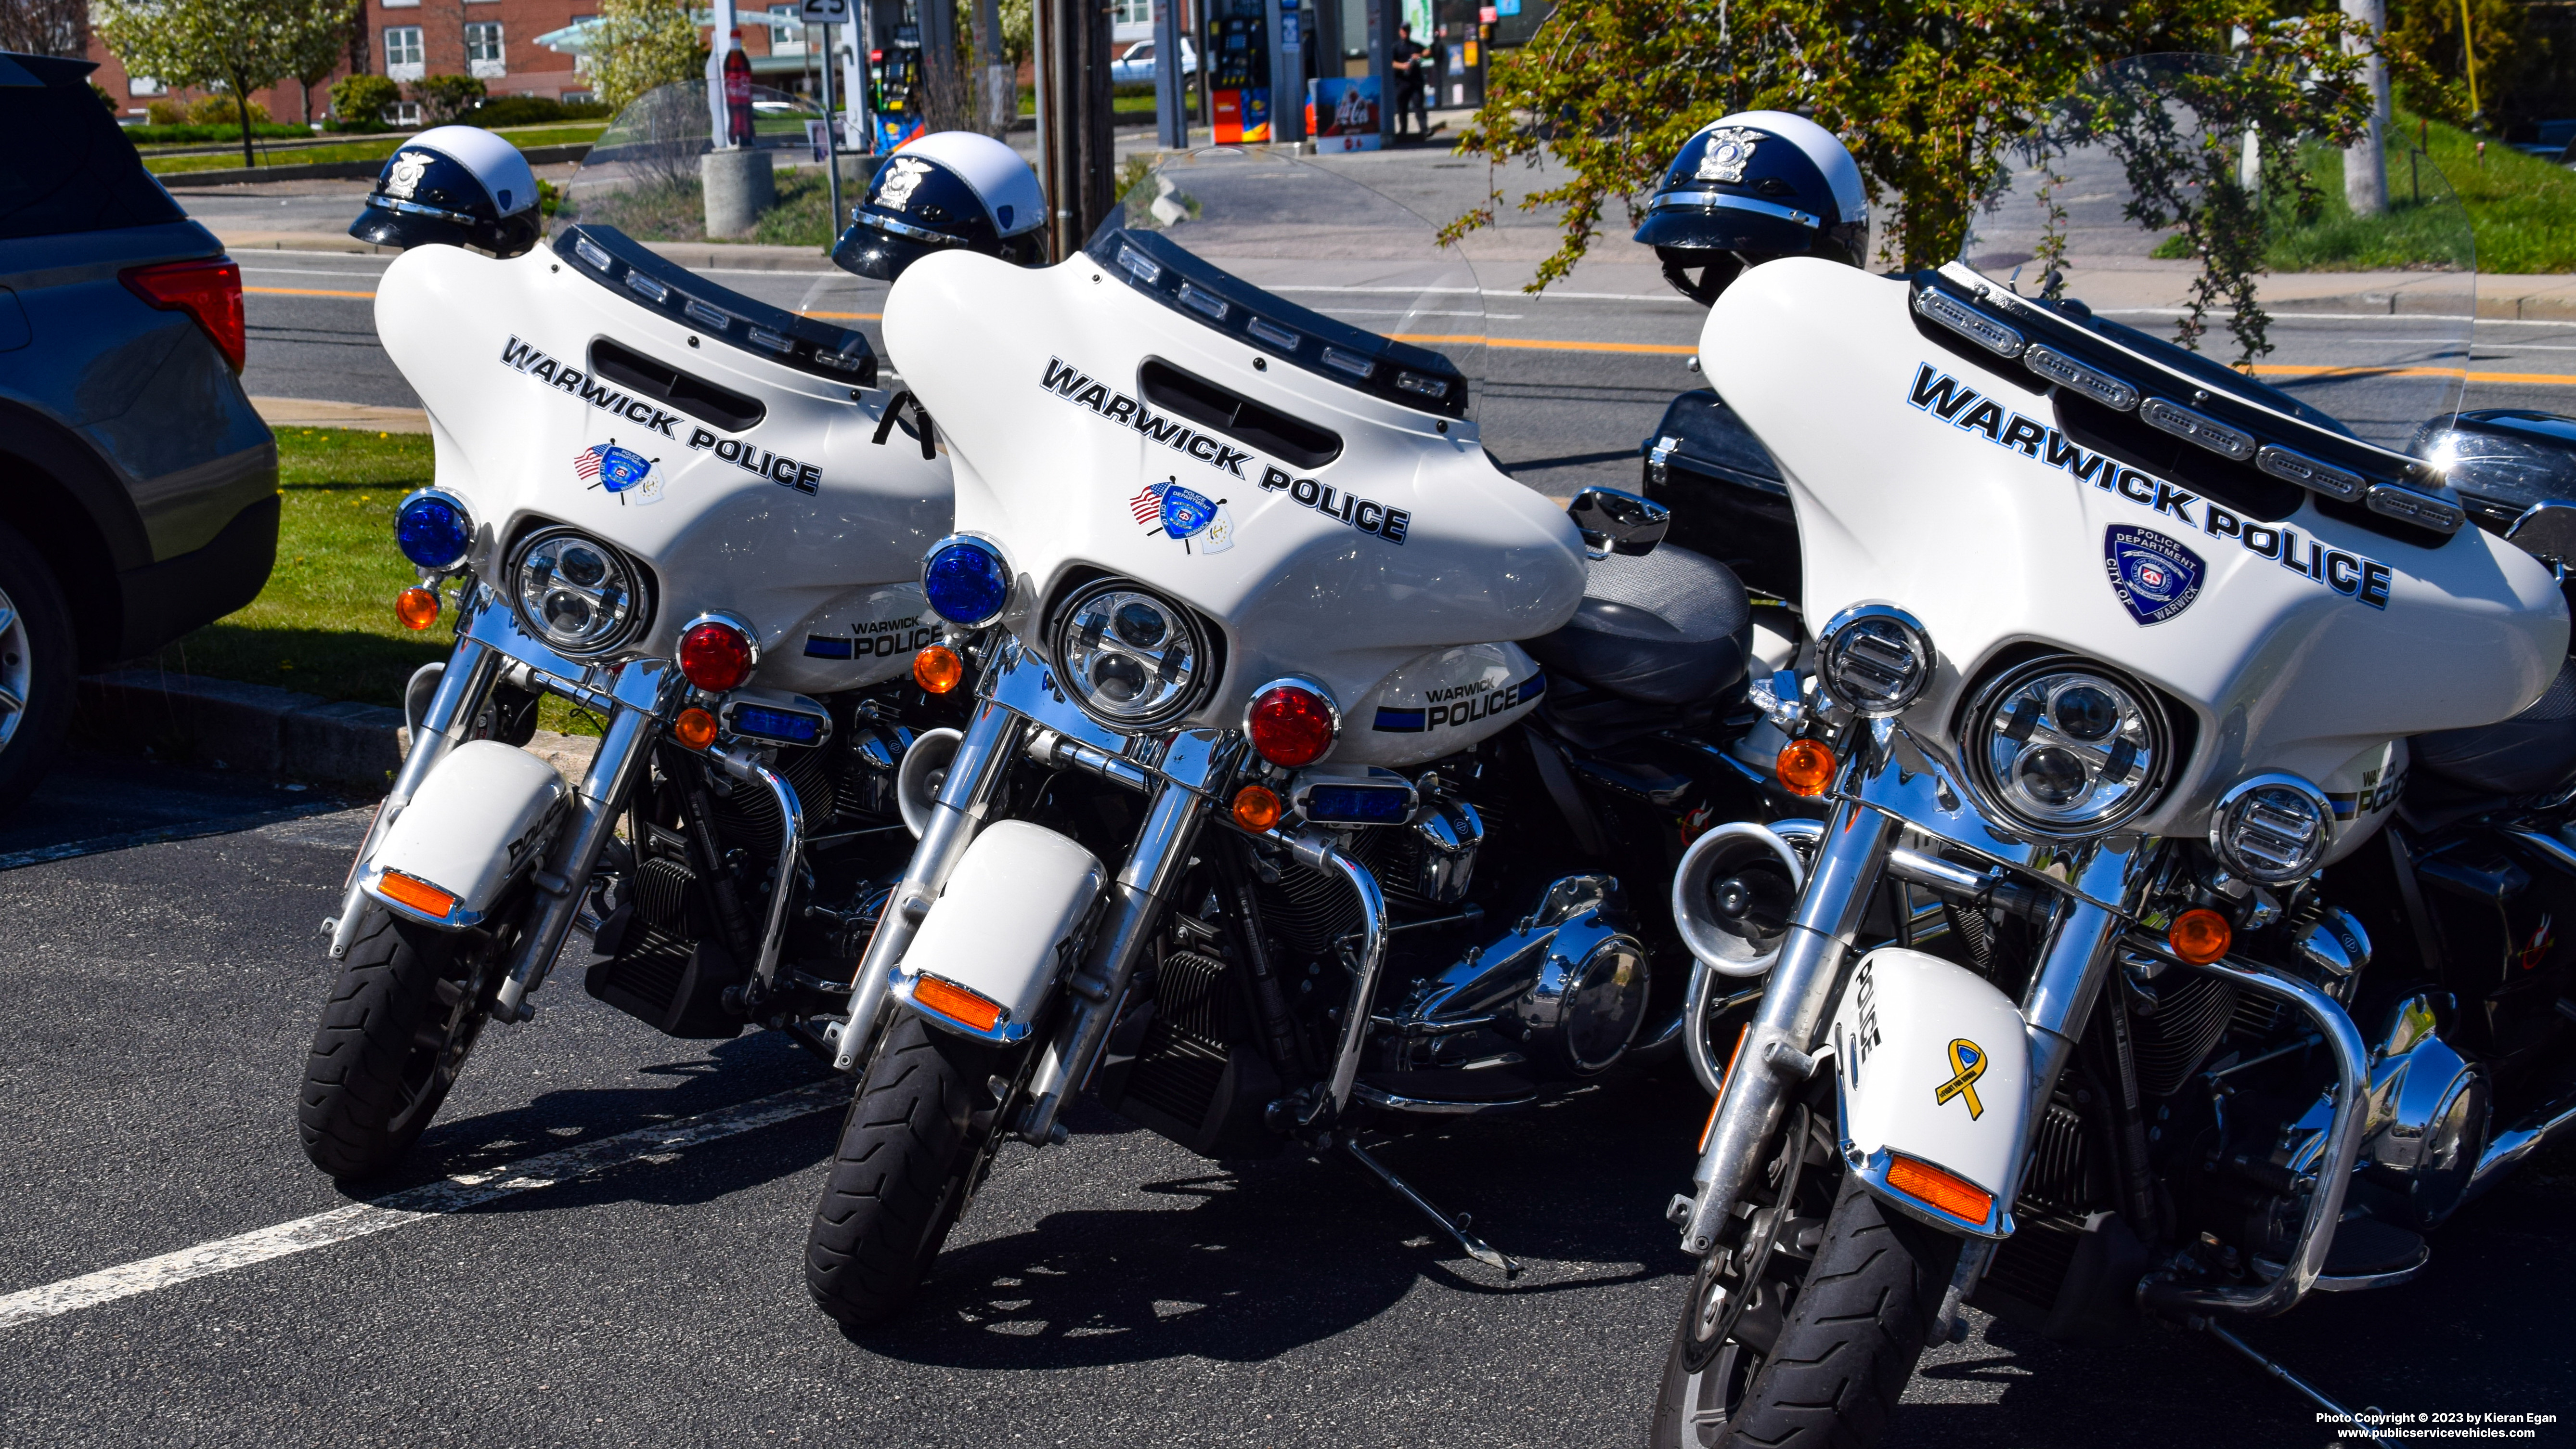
(404, 179)
(1729, 152)
(901, 179)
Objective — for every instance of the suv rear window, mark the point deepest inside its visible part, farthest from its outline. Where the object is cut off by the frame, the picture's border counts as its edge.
(67, 168)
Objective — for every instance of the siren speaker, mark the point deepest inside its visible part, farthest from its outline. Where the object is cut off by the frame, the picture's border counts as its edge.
(1733, 895)
(917, 779)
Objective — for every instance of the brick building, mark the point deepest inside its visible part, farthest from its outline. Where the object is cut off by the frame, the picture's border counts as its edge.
(495, 40)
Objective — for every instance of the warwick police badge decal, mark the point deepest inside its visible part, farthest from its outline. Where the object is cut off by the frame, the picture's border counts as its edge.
(2154, 576)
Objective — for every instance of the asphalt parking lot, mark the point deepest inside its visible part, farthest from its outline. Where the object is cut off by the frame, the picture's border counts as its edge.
(1115, 1290)
(599, 1242)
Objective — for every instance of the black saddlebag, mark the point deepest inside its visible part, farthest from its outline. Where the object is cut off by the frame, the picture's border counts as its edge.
(1727, 498)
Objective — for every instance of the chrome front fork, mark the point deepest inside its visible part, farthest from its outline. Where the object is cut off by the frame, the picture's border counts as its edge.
(983, 757)
(468, 677)
(1775, 1060)
(1134, 911)
(645, 688)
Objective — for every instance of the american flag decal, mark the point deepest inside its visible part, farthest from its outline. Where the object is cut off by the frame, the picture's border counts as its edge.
(1148, 505)
(585, 464)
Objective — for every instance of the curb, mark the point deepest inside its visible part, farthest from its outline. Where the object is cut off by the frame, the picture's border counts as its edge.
(2545, 307)
(250, 727)
(339, 170)
(253, 727)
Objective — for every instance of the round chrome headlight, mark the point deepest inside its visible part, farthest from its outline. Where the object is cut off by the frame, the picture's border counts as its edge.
(1875, 658)
(2064, 747)
(2272, 829)
(579, 595)
(1131, 660)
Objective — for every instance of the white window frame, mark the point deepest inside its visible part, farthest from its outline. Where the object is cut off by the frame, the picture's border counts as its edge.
(404, 61)
(144, 85)
(493, 66)
(787, 39)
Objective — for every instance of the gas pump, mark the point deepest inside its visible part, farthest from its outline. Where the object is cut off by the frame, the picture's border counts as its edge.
(1241, 81)
(894, 90)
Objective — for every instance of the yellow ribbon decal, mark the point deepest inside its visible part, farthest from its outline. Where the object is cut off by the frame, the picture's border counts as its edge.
(1968, 1060)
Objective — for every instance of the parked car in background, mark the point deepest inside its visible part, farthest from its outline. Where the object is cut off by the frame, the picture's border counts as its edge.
(138, 487)
(1136, 67)
(2552, 142)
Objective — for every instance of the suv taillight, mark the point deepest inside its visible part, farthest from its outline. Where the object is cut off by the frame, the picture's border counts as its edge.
(209, 290)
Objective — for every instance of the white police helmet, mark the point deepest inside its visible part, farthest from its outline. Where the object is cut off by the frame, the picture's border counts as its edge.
(1753, 186)
(959, 190)
(454, 186)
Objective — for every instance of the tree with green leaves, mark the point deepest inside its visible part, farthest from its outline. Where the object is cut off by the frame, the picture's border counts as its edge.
(1927, 94)
(321, 48)
(235, 46)
(643, 44)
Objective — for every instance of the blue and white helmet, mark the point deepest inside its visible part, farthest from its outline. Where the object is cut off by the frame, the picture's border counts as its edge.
(454, 186)
(949, 190)
(1753, 186)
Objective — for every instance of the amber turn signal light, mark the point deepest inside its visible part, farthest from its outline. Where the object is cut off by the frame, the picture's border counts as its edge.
(416, 607)
(695, 728)
(420, 895)
(1256, 808)
(937, 669)
(1806, 767)
(1925, 1183)
(955, 1002)
(2200, 936)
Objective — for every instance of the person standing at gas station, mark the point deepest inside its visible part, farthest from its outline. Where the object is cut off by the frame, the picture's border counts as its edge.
(1411, 63)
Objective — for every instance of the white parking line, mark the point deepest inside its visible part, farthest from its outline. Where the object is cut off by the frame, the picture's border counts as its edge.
(412, 1205)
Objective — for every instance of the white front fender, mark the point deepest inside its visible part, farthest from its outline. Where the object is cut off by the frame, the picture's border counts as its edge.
(482, 815)
(1932, 1068)
(998, 931)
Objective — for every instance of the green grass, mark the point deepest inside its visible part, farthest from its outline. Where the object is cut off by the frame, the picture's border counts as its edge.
(325, 624)
(2521, 208)
(368, 150)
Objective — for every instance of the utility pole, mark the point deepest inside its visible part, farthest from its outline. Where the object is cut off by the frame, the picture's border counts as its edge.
(1075, 156)
(1171, 81)
(2365, 162)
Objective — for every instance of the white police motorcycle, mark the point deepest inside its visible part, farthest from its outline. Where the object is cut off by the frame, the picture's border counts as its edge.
(2132, 970)
(1322, 778)
(668, 504)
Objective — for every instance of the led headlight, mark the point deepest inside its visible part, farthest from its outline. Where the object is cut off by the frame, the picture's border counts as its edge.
(433, 529)
(579, 595)
(2064, 747)
(1875, 658)
(966, 579)
(2272, 829)
(1131, 660)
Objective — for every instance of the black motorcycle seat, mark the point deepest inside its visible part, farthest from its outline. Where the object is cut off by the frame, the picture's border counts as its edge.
(2533, 753)
(1672, 627)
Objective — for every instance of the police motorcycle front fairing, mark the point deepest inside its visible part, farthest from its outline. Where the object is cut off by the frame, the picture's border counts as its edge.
(1346, 767)
(2110, 700)
(662, 503)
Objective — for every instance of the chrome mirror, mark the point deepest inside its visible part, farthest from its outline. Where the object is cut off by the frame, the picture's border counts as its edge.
(1617, 522)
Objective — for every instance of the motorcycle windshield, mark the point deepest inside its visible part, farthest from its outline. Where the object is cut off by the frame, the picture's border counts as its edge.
(2203, 216)
(642, 175)
(1322, 269)
(1251, 393)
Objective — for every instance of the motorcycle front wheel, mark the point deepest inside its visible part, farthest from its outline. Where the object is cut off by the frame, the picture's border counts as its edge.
(408, 1006)
(1825, 1368)
(900, 1173)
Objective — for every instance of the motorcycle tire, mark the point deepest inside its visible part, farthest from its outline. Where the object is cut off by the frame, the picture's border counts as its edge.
(38, 667)
(1844, 1351)
(402, 1018)
(900, 1172)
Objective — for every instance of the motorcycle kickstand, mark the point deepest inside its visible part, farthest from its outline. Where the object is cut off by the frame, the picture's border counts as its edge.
(1477, 1248)
(2342, 1416)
